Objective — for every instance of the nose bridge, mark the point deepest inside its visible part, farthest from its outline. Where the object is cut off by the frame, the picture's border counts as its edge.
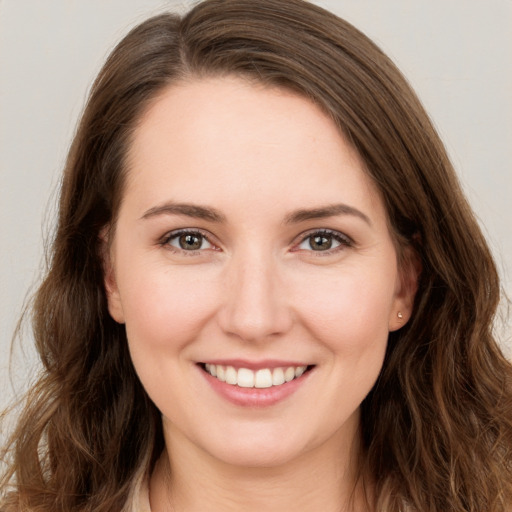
(255, 305)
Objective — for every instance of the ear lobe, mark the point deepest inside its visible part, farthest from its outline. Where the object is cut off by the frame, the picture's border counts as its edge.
(109, 279)
(407, 286)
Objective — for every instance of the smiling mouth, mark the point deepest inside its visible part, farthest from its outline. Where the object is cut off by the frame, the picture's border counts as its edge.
(262, 378)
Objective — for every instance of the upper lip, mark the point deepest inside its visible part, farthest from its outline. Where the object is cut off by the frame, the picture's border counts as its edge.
(255, 365)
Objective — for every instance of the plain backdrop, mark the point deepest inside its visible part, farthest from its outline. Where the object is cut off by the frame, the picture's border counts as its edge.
(457, 54)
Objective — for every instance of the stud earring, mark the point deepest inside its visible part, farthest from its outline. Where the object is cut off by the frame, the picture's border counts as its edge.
(399, 315)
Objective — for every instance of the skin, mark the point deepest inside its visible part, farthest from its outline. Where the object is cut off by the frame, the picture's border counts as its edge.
(255, 290)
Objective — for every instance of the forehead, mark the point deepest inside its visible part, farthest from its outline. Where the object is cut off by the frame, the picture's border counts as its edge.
(221, 138)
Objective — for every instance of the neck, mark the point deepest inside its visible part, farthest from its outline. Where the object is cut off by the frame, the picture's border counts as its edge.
(186, 478)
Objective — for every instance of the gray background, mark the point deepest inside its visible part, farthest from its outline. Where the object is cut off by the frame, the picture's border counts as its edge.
(456, 53)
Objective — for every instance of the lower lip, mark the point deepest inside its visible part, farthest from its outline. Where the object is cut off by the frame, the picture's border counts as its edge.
(255, 397)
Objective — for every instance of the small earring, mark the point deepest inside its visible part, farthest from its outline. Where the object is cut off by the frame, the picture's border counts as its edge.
(399, 315)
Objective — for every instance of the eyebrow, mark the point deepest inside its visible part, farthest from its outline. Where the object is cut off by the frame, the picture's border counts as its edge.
(189, 210)
(324, 212)
(214, 215)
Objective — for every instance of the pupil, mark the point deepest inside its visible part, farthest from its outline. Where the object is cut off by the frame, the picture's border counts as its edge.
(190, 242)
(321, 243)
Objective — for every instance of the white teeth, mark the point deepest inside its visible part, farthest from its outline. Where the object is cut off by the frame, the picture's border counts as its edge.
(289, 374)
(278, 377)
(263, 379)
(245, 378)
(299, 370)
(221, 373)
(231, 375)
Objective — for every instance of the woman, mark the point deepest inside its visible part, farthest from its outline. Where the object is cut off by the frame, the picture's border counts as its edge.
(267, 290)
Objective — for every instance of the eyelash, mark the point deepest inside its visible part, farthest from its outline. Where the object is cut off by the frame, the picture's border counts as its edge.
(343, 240)
(173, 235)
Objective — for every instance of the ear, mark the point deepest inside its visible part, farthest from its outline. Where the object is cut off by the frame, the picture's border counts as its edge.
(407, 286)
(115, 307)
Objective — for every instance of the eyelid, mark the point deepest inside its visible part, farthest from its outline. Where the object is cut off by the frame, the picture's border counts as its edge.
(175, 233)
(343, 239)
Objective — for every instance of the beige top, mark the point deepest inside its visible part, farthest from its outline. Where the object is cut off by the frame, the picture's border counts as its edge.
(139, 496)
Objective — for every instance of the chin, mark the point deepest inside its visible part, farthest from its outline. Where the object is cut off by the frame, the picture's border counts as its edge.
(273, 448)
(270, 456)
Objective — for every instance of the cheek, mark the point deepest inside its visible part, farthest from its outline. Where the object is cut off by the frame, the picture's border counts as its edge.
(164, 308)
(351, 310)
(165, 312)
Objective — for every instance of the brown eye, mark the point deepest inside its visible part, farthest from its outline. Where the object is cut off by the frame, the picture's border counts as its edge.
(320, 242)
(188, 241)
(324, 240)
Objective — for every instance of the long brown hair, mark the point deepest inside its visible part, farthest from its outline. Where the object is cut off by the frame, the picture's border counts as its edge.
(436, 428)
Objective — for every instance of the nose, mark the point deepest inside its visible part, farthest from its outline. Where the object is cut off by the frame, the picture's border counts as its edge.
(255, 305)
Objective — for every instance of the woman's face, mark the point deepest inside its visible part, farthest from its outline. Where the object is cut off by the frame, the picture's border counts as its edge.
(250, 249)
